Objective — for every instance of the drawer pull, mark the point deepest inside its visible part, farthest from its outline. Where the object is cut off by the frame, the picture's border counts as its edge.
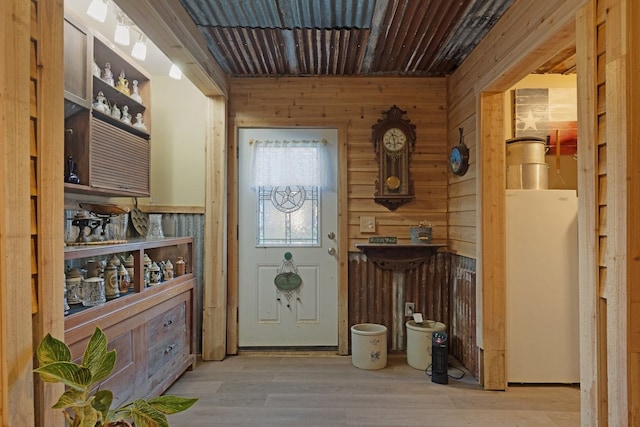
(168, 349)
(168, 323)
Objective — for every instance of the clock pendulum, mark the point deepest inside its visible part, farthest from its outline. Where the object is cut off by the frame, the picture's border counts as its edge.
(393, 182)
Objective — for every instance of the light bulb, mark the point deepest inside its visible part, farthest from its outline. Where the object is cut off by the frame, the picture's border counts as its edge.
(98, 10)
(121, 36)
(175, 72)
(139, 50)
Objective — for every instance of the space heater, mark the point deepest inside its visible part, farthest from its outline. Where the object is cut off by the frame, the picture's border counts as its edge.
(439, 358)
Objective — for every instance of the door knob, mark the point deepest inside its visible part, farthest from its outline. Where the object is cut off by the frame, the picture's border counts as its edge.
(331, 235)
(332, 251)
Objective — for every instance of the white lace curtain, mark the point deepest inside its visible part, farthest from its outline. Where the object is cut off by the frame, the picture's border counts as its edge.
(291, 162)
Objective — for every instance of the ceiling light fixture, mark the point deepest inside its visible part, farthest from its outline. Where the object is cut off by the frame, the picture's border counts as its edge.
(122, 36)
(139, 50)
(175, 72)
(98, 10)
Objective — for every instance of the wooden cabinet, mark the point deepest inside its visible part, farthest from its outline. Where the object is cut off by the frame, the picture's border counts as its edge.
(78, 51)
(151, 328)
(112, 156)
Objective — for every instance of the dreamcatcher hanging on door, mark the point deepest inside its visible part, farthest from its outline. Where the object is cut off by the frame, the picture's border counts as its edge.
(288, 281)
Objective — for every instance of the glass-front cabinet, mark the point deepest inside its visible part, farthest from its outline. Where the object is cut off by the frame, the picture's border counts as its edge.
(148, 319)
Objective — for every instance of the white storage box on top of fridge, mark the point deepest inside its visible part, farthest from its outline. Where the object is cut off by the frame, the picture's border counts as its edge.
(542, 286)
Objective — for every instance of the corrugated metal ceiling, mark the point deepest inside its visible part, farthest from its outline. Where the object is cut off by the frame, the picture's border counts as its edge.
(343, 37)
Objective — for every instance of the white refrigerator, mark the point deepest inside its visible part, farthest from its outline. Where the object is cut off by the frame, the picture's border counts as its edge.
(542, 327)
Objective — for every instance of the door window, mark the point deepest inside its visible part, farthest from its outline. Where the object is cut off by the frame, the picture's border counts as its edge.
(288, 216)
(288, 176)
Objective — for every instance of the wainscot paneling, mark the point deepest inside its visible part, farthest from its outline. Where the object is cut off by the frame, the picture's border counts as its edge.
(443, 289)
(372, 299)
(463, 343)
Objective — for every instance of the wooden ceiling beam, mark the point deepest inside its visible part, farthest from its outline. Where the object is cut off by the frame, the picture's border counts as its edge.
(171, 28)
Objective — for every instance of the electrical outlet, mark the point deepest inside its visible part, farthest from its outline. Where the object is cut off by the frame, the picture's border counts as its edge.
(409, 308)
(367, 224)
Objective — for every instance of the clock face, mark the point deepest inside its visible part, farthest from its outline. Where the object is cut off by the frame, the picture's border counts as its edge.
(394, 140)
(455, 159)
(459, 159)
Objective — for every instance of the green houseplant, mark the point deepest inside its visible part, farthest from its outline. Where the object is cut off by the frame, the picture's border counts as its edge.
(83, 403)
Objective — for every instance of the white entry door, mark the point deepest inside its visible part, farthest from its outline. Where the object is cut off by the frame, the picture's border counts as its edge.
(288, 265)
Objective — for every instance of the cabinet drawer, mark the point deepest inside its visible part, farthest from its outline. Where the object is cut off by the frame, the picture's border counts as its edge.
(166, 323)
(169, 348)
(168, 338)
(119, 160)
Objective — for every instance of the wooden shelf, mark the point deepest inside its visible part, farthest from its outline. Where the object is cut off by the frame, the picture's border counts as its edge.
(114, 95)
(399, 256)
(88, 251)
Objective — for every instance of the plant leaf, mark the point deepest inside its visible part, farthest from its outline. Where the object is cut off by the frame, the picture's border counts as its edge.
(96, 358)
(52, 350)
(71, 374)
(70, 399)
(168, 404)
(144, 415)
(88, 416)
(96, 349)
(120, 414)
(102, 402)
(103, 369)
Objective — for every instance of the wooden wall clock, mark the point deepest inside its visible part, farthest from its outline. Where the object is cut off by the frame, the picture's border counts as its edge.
(394, 140)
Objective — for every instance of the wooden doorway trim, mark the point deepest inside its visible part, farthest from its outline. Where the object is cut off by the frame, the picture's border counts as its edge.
(214, 291)
(232, 218)
(492, 243)
(536, 47)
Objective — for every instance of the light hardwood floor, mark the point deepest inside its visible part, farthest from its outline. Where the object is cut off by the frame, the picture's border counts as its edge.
(310, 390)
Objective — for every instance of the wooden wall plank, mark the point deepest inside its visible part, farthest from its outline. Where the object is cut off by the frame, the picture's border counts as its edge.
(615, 258)
(620, 322)
(16, 377)
(633, 199)
(49, 196)
(587, 217)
